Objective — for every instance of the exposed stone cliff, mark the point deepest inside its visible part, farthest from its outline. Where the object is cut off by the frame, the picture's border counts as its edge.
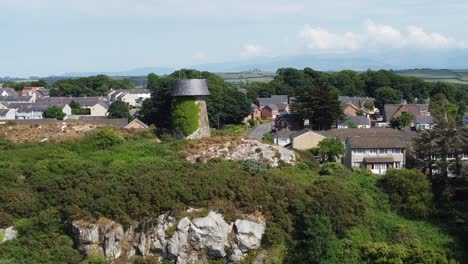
(184, 241)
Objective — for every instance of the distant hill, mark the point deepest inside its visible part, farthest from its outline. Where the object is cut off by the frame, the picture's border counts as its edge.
(131, 72)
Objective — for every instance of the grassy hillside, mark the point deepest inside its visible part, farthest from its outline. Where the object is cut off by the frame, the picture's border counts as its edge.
(338, 218)
(450, 76)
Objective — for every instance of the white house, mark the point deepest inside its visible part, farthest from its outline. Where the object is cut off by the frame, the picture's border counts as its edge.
(134, 97)
(7, 114)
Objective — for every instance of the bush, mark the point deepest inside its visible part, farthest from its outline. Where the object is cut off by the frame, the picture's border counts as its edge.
(54, 112)
(252, 122)
(184, 116)
(253, 166)
(268, 137)
(107, 138)
(409, 192)
(334, 169)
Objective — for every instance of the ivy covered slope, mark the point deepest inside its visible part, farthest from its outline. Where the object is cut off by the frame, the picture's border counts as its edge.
(335, 216)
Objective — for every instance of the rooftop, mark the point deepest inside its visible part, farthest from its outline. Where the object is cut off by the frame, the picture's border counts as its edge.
(376, 142)
(191, 87)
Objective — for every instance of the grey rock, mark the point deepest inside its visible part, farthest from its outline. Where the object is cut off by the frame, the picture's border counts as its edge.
(249, 234)
(9, 233)
(210, 233)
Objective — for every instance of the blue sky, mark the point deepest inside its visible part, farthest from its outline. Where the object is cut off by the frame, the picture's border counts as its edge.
(43, 37)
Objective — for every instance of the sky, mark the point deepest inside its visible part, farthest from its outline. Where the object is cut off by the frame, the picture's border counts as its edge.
(47, 37)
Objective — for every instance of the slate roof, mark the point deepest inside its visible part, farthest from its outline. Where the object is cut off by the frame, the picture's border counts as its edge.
(358, 101)
(44, 92)
(358, 120)
(191, 87)
(376, 142)
(83, 101)
(273, 100)
(9, 91)
(379, 160)
(276, 106)
(15, 98)
(285, 133)
(3, 112)
(423, 120)
(414, 109)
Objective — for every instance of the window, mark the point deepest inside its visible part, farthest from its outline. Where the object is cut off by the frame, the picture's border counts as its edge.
(396, 151)
(358, 164)
(382, 151)
(359, 151)
(397, 165)
(373, 151)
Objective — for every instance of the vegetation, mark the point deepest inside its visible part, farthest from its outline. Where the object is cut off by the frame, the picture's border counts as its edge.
(118, 109)
(409, 192)
(88, 86)
(311, 218)
(401, 121)
(77, 110)
(185, 115)
(330, 148)
(54, 112)
(226, 104)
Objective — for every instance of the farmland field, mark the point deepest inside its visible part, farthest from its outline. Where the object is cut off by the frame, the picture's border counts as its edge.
(450, 76)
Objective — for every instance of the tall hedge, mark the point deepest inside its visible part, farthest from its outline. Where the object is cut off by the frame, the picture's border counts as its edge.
(184, 115)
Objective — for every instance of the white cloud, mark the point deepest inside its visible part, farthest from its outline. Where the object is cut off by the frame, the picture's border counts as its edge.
(376, 36)
(251, 50)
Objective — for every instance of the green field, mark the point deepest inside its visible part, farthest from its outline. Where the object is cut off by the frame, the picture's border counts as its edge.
(247, 77)
(442, 75)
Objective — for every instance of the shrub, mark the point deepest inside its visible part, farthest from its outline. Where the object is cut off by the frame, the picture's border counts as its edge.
(409, 192)
(54, 112)
(185, 116)
(268, 137)
(334, 169)
(252, 122)
(107, 138)
(253, 166)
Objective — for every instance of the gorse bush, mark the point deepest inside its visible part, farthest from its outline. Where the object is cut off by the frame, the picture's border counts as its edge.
(184, 117)
(107, 138)
(409, 192)
(253, 166)
(333, 168)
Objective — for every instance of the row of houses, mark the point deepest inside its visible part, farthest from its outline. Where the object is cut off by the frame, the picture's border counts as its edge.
(30, 107)
(134, 97)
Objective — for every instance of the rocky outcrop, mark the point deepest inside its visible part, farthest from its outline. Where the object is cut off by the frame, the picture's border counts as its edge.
(191, 240)
(239, 149)
(7, 234)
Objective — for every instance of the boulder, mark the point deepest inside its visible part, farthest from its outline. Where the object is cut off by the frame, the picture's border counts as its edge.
(249, 234)
(8, 234)
(210, 233)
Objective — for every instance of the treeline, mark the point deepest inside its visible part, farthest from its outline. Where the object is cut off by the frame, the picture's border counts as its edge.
(226, 104)
(86, 86)
(385, 86)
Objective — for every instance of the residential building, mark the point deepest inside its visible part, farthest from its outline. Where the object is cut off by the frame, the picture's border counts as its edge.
(30, 90)
(273, 110)
(7, 92)
(7, 114)
(358, 121)
(282, 137)
(395, 110)
(351, 105)
(288, 121)
(35, 110)
(18, 99)
(98, 105)
(423, 122)
(134, 97)
(136, 124)
(274, 105)
(374, 153)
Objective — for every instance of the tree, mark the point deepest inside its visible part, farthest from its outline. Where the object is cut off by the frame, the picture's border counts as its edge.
(369, 105)
(352, 124)
(330, 149)
(386, 95)
(409, 192)
(118, 109)
(360, 112)
(320, 105)
(401, 121)
(54, 112)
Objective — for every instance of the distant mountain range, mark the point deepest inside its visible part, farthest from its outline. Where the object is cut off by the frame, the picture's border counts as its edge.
(394, 59)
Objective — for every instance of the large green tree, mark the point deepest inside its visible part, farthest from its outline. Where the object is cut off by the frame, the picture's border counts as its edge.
(319, 104)
(386, 95)
(330, 149)
(118, 109)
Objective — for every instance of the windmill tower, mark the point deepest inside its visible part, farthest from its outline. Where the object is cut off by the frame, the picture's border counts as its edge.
(196, 89)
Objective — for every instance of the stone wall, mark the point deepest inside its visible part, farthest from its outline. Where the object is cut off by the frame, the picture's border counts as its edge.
(203, 124)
